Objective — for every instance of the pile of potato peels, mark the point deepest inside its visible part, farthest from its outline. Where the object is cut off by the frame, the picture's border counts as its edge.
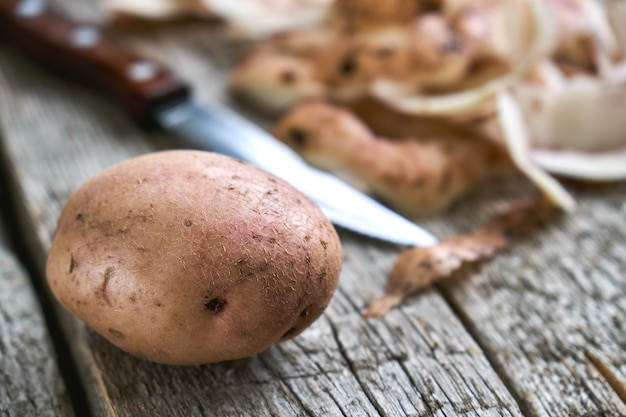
(422, 100)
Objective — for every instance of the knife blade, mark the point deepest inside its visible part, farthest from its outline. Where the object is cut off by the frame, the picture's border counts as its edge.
(154, 95)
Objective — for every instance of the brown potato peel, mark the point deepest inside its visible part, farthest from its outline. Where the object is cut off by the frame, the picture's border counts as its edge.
(418, 268)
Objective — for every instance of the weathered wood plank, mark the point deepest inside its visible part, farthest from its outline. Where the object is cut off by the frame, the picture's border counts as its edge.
(551, 313)
(30, 382)
(342, 366)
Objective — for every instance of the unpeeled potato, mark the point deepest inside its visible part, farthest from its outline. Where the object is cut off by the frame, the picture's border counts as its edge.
(189, 257)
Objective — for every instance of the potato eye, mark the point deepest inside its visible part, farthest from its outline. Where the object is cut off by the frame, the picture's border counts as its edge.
(288, 77)
(215, 305)
(348, 66)
(298, 137)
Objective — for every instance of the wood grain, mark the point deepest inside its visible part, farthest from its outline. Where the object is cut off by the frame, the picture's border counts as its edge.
(30, 382)
(551, 313)
(538, 332)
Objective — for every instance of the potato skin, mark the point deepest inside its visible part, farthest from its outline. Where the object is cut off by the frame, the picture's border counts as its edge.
(190, 257)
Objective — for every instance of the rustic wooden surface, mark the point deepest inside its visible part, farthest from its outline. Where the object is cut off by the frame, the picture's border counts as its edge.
(538, 332)
(30, 382)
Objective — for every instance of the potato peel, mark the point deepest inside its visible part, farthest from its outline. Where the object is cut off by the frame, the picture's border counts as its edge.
(517, 139)
(462, 102)
(155, 9)
(606, 166)
(476, 98)
(587, 114)
(251, 17)
(262, 18)
(419, 268)
(616, 13)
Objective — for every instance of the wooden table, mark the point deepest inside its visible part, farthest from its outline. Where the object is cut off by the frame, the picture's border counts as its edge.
(540, 331)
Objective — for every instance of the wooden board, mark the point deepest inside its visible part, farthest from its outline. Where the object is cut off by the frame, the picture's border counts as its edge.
(30, 381)
(529, 334)
(551, 314)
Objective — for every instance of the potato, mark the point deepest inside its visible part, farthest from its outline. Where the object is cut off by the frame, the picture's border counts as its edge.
(189, 257)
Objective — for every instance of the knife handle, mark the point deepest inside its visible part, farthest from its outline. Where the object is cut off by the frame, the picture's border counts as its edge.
(85, 52)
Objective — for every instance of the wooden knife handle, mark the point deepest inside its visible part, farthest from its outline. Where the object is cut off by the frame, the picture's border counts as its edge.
(85, 52)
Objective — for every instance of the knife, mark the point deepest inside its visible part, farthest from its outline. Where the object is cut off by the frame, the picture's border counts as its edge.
(154, 95)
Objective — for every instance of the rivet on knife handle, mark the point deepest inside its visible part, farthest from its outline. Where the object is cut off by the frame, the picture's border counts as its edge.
(87, 53)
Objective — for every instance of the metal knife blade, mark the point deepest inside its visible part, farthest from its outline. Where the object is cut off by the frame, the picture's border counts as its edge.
(152, 93)
(224, 131)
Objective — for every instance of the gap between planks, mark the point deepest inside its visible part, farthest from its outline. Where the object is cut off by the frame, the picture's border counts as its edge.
(13, 212)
